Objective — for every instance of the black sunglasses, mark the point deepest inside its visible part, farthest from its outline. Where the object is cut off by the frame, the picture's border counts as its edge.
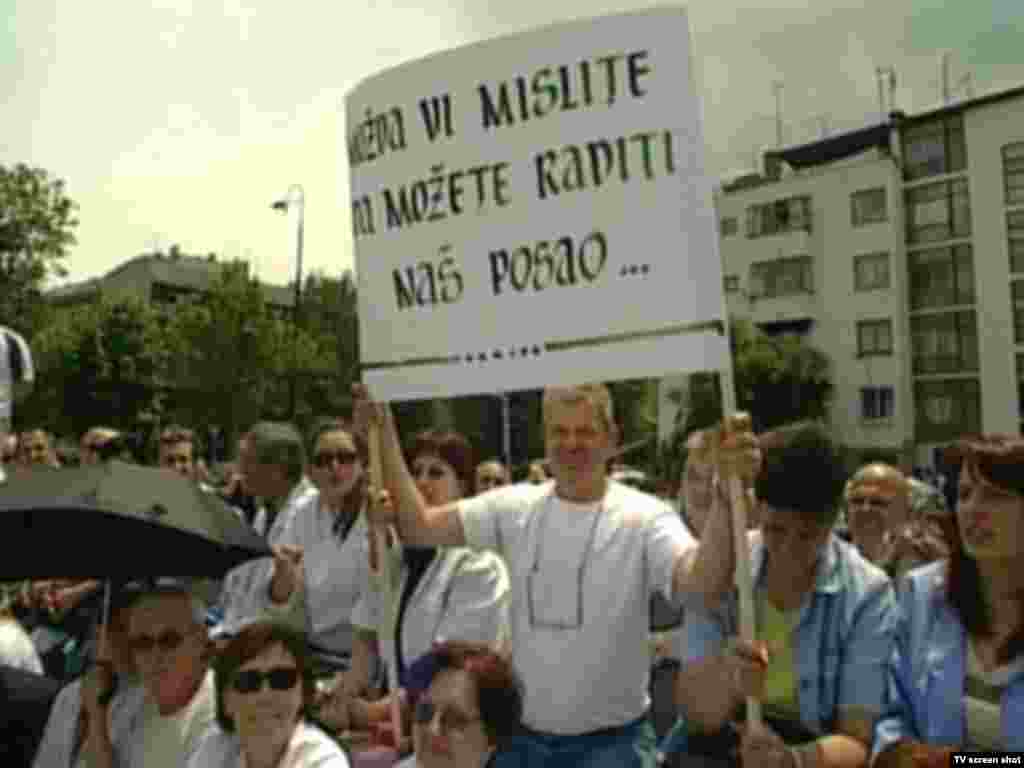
(322, 460)
(279, 678)
(166, 641)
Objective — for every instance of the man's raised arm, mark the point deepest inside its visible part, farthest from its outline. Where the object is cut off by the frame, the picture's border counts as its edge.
(418, 524)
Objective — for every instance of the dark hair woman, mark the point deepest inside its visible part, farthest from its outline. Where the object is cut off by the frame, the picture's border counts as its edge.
(957, 675)
(264, 691)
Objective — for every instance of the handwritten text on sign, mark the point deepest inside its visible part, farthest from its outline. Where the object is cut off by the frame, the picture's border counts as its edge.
(534, 210)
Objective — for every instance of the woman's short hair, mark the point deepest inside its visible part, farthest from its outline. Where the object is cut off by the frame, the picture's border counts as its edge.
(453, 448)
(499, 691)
(805, 474)
(250, 642)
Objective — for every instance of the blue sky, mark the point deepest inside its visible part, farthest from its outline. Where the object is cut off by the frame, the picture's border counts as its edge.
(180, 122)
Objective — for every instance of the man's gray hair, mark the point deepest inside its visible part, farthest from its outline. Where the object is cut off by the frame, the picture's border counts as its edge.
(280, 444)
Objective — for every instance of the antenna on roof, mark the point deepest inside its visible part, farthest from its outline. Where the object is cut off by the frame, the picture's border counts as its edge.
(777, 86)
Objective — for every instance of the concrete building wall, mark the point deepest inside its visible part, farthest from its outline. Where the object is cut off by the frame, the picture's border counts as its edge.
(988, 129)
(834, 306)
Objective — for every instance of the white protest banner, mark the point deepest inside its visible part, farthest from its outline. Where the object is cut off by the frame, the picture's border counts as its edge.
(534, 210)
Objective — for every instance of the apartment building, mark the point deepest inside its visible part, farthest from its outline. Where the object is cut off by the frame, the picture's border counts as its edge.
(898, 250)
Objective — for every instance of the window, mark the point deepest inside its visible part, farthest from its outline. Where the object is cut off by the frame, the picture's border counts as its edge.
(871, 272)
(789, 215)
(877, 403)
(729, 226)
(1017, 292)
(874, 337)
(868, 207)
(946, 409)
(732, 283)
(1013, 173)
(782, 277)
(941, 277)
(938, 212)
(946, 342)
(1015, 234)
(934, 148)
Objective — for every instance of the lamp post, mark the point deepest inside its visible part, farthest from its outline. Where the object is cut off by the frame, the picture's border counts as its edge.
(296, 196)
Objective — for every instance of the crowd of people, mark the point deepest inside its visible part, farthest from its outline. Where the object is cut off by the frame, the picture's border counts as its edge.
(517, 629)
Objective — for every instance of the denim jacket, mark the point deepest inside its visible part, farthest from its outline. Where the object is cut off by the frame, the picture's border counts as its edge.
(928, 669)
(843, 639)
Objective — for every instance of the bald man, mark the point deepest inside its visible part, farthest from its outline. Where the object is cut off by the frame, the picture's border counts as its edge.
(882, 525)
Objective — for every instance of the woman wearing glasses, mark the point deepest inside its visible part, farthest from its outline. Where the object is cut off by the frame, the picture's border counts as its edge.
(444, 594)
(957, 674)
(319, 589)
(264, 690)
(467, 708)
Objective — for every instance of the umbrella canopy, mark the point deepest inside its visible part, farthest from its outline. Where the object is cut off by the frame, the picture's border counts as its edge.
(120, 521)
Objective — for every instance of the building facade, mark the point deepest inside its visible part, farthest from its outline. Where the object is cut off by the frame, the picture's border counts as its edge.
(898, 250)
(163, 280)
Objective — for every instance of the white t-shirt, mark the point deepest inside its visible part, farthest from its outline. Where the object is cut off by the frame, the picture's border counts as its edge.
(16, 649)
(309, 748)
(585, 663)
(169, 742)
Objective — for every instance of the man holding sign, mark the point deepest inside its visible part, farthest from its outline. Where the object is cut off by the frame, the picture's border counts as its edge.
(505, 196)
(584, 554)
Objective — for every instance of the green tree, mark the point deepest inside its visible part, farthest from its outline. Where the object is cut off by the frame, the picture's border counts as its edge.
(779, 380)
(100, 363)
(636, 412)
(231, 355)
(37, 222)
(329, 315)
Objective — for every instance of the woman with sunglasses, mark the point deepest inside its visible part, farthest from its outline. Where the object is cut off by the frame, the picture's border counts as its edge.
(319, 590)
(957, 674)
(467, 708)
(264, 691)
(444, 593)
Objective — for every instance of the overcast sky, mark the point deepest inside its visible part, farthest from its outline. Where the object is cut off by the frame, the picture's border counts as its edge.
(180, 122)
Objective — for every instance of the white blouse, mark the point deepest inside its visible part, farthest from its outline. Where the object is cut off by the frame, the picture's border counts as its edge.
(309, 748)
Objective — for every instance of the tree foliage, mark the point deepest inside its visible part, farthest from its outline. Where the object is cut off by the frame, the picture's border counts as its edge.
(778, 379)
(37, 223)
(98, 364)
(231, 354)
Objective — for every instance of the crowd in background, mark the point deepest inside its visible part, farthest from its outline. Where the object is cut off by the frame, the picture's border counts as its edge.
(521, 629)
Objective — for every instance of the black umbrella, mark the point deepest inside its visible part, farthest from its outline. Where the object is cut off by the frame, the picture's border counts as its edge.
(118, 521)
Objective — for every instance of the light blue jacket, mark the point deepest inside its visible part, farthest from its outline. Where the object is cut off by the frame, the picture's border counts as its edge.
(928, 670)
(842, 641)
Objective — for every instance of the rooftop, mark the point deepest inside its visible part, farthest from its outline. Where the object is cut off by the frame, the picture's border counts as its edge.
(197, 273)
(851, 143)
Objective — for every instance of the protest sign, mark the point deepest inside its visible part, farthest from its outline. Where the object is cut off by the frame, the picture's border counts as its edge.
(534, 210)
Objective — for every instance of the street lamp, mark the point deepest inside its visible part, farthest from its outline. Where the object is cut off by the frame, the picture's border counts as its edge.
(296, 196)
